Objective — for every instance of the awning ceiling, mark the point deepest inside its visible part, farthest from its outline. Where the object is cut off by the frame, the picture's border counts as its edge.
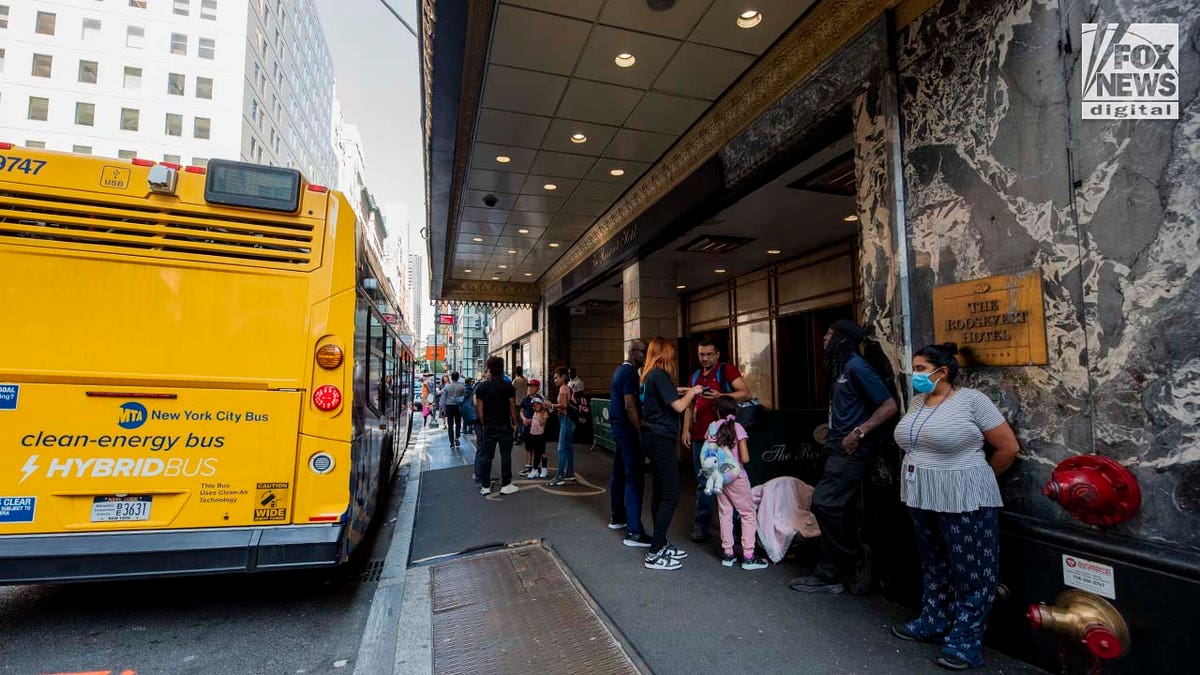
(551, 74)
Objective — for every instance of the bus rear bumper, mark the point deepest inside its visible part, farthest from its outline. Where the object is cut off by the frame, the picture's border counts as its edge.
(131, 555)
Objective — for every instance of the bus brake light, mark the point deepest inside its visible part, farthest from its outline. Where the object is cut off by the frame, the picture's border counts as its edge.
(137, 161)
(327, 397)
(318, 188)
(5, 146)
(172, 165)
(195, 169)
(329, 356)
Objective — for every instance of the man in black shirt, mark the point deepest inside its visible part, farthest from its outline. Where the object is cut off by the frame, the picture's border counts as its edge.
(495, 402)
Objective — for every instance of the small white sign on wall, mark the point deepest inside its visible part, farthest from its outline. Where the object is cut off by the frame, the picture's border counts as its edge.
(1089, 576)
(1130, 71)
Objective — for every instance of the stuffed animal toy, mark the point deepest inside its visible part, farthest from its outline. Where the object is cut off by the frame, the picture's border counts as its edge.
(710, 471)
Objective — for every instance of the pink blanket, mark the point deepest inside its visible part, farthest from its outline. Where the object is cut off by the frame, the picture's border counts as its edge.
(783, 513)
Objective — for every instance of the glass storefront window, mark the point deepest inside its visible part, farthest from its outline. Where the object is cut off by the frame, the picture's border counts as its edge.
(754, 359)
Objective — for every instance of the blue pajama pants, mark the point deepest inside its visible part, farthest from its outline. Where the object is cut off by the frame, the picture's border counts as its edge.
(960, 553)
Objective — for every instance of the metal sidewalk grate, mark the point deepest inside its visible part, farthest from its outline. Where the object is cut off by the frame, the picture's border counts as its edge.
(372, 571)
(515, 611)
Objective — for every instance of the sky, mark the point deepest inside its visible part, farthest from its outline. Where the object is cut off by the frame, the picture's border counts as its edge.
(378, 82)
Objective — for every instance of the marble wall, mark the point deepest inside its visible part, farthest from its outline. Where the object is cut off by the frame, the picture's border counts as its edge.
(1001, 176)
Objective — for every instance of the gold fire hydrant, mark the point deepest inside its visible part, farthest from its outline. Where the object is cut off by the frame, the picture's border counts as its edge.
(1085, 617)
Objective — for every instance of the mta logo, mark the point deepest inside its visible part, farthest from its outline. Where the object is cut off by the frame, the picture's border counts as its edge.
(133, 415)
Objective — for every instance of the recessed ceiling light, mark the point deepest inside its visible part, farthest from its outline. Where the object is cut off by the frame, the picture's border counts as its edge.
(503, 159)
(503, 267)
(476, 238)
(625, 59)
(550, 186)
(554, 244)
(617, 172)
(681, 287)
(495, 278)
(467, 271)
(749, 19)
(850, 218)
(578, 138)
(719, 271)
(512, 250)
(773, 251)
(522, 231)
(529, 274)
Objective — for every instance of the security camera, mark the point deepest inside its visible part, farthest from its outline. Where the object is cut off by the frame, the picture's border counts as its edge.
(490, 200)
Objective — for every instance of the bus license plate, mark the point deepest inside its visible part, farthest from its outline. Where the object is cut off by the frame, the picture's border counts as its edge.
(120, 509)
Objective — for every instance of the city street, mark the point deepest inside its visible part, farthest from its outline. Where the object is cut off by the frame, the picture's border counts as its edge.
(287, 622)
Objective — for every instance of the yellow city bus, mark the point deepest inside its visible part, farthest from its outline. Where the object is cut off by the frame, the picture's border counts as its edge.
(193, 370)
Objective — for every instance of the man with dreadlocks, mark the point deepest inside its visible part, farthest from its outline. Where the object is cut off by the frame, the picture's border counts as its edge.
(859, 402)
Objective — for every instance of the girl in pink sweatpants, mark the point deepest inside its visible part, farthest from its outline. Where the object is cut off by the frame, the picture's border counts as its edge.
(729, 437)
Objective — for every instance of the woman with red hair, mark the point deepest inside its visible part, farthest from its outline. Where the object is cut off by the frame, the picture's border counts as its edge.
(662, 404)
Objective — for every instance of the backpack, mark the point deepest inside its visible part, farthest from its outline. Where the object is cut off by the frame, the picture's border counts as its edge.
(578, 409)
(726, 465)
(751, 414)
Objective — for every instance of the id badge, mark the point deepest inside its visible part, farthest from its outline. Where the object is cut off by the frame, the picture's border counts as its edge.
(910, 473)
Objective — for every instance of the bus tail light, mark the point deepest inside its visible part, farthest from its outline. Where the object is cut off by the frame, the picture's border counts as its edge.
(318, 188)
(5, 146)
(327, 397)
(321, 462)
(324, 519)
(171, 165)
(329, 356)
(195, 169)
(137, 161)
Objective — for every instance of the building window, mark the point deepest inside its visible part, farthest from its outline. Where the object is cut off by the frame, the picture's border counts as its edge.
(91, 29)
(204, 87)
(45, 23)
(88, 71)
(176, 84)
(36, 144)
(1, 60)
(135, 36)
(129, 119)
(140, 4)
(208, 48)
(3, 16)
(179, 44)
(200, 161)
(85, 114)
(254, 110)
(173, 159)
(174, 124)
(202, 128)
(208, 9)
(81, 149)
(253, 147)
(182, 7)
(39, 108)
(126, 154)
(133, 78)
(42, 64)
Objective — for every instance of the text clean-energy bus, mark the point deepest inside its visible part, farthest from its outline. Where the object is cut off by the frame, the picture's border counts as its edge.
(193, 370)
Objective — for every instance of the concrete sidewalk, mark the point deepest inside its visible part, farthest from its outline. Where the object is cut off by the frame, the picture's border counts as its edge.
(703, 618)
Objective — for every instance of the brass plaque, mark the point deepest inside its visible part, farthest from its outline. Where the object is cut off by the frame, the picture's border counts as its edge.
(997, 321)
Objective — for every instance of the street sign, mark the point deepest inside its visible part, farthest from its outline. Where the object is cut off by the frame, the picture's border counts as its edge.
(390, 318)
(446, 319)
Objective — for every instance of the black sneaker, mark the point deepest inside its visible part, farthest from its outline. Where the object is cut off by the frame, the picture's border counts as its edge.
(699, 535)
(814, 584)
(527, 468)
(756, 563)
(952, 662)
(728, 561)
(569, 479)
(674, 552)
(860, 583)
(905, 633)
(614, 524)
(637, 540)
(661, 561)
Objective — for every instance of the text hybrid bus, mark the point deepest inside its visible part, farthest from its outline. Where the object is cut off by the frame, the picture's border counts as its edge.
(194, 370)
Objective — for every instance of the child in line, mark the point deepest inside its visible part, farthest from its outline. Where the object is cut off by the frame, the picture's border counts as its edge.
(729, 439)
(535, 437)
(526, 406)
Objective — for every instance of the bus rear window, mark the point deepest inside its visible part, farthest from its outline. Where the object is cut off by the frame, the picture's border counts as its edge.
(271, 188)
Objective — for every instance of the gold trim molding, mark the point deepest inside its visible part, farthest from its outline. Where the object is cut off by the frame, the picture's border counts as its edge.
(829, 26)
(489, 292)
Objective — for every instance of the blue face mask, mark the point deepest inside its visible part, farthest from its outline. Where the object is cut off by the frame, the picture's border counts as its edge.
(922, 384)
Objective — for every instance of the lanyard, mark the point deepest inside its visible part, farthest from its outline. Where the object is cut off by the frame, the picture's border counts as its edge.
(912, 439)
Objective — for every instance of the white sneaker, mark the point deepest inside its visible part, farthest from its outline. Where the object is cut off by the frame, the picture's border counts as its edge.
(542, 473)
(509, 489)
(533, 473)
(485, 490)
(661, 561)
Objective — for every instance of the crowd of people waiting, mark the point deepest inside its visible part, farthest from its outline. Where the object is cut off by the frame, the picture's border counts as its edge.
(948, 482)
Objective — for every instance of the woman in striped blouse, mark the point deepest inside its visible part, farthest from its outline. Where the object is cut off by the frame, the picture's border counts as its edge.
(951, 492)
